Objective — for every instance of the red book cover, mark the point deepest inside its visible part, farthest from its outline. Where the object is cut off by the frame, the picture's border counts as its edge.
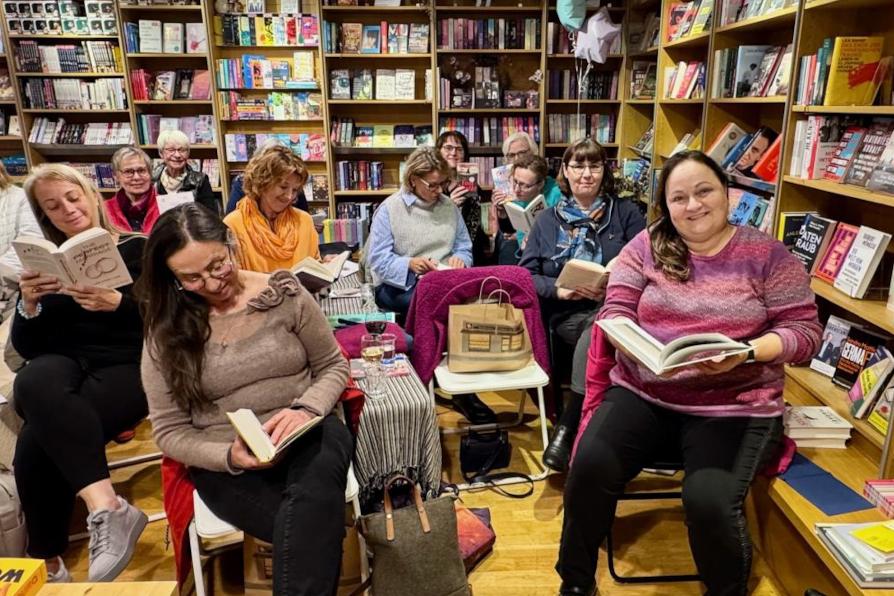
(833, 259)
(767, 166)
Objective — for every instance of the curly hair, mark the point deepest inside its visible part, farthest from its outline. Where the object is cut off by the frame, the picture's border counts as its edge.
(269, 166)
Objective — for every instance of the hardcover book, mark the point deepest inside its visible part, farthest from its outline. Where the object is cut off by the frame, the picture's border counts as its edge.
(859, 346)
(831, 262)
(861, 261)
(816, 233)
(258, 440)
(852, 71)
(870, 152)
(834, 336)
(844, 154)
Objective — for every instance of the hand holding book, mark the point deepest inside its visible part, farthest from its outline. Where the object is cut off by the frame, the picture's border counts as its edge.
(34, 286)
(284, 423)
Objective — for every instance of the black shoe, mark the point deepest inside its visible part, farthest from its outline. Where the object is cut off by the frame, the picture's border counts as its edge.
(577, 591)
(558, 452)
(474, 410)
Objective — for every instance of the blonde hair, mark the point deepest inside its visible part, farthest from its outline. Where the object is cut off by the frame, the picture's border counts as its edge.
(62, 173)
(172, 136)
(270, 165)
(422, 161)
(5, 178)
(520, 136)
(119, 156)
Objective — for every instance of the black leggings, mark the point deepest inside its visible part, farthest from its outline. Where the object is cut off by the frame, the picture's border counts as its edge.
(298, 505)
(71, 410)
(720, 457)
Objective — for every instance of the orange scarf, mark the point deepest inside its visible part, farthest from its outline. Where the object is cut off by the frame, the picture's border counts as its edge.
(278, 243)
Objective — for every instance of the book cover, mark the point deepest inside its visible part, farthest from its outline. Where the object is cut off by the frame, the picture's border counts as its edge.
(767, 167)
(844, 154)
(780, 83)
(882, 177)
(880, 415)
(861, 261)
(852, 71)
(172, 38)
(814, 238)
(418, 38)
(383, 135)
(724, 141)
(834, 336)
(859, 346)
(370, 43)
(467, 174)
(90, 258)
(150, 37)
(755, 149)
(742, 214)
(871, 381)
(748, 61)
(831, 262)
(352, 34)
(870, 152)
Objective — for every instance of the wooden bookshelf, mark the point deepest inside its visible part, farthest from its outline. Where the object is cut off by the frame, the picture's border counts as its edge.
(11, 145)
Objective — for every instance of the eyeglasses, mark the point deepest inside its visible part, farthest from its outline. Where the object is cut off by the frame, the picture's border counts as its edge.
(578, 169)
(217, 270)
(176, 150)
(522, 185)
(131, 172)
(513, 156)
(452, 148)
(433, 186)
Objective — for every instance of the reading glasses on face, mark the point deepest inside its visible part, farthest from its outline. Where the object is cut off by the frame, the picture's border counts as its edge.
(512, 156)
(452, 148)
(131, 172)
(523, 185)
(175, 150)
(216, 271)
(433, 186)
(579, 169)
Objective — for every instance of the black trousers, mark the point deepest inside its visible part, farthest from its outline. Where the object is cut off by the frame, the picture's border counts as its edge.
(298, 505)
(720, 457)
(71, 410)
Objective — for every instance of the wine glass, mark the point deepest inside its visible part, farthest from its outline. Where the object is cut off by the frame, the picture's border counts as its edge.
(371, 350)
(376, 322)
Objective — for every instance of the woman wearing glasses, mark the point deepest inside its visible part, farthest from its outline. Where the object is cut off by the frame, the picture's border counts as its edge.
(133, 208)
(527, 179)
(415, 231)
(176, 175)
(454, 148)
(220, 338)
(270, 233)
(592, 224)
(80, 387)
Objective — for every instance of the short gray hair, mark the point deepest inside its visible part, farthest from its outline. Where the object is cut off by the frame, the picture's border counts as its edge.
(520, 136)
(178, 137)
(130, 151)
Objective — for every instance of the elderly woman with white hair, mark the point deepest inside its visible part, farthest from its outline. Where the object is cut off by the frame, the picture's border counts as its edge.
(510, 242)
(175, 173)
(134, 207)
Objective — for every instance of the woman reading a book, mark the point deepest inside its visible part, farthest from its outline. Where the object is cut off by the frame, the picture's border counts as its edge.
(270, 233)
(80, 387)
(527, 176)
(176, 175)
(220, 338)
(454, 148)
(134, 207)
(589, 224)
(692, 272)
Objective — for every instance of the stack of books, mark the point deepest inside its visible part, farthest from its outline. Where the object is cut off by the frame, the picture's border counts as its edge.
(869, 566)
(816, 426)
(881, 494)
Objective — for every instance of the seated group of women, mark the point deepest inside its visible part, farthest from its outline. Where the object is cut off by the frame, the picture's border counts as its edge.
(213, 324)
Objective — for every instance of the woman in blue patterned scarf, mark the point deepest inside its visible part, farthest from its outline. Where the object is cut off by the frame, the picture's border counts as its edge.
(592, 224)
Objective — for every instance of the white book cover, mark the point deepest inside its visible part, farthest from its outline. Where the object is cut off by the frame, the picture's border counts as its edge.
(252, 432)
(172, 38)
(834, 336)
(150, 37)
(404, 84)
(813, 419)
(523, 216)
(196, 38)
(168, 201)
(385, 83)
(861, 261)
(90, 258)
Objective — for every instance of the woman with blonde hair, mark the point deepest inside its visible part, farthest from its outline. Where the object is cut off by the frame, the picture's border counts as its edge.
(16, 219)
(270, 232)
(134, 207)
(80, 387)
(175, 174)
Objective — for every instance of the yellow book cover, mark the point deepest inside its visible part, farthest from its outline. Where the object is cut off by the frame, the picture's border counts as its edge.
(878, 536)
(852, 71)
(260, 32)
(22, 577)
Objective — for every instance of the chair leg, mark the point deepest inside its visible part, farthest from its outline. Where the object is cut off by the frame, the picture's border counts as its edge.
(364, 560)
(195, 554)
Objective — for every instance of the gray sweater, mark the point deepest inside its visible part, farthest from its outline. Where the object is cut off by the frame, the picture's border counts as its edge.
(277, 353)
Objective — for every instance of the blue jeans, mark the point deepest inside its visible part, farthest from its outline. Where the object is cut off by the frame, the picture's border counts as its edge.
(391, 299)
(298, 505)
(720, 458)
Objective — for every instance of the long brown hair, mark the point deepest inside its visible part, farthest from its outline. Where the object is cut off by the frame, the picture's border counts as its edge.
(176, 322)
(669, 251)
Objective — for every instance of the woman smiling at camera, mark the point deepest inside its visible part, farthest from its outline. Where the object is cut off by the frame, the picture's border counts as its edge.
(270, 233)
(175, 174)
(79, 389)
(134, 207)
(220, 338)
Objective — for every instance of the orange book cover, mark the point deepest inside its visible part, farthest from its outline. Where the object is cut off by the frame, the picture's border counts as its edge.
(852, 72)
(768, 165)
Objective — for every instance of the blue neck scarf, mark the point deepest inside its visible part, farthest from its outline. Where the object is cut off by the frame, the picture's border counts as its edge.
(578, 242)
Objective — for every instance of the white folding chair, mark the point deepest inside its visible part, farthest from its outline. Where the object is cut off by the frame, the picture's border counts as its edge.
(529, 377)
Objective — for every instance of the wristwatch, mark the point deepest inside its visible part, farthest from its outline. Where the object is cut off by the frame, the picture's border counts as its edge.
(749, 355)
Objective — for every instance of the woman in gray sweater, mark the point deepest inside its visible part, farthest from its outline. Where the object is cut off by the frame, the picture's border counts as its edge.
(218, 339)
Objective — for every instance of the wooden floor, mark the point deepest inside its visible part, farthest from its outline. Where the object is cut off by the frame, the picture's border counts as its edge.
(650, 536)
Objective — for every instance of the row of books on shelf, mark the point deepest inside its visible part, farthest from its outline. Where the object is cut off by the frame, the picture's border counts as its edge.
(316, 189)
(271, 30)
(752, 71)
(7, 93)
(686, 80)
(750, 209)
(643, 35)
(351, 224)
(491, 131)
(92, 17)
(733, 11)
(844, 71)
(686, 19)
(359, 175)
(485, 94)
(200, 130)
(846, 149)
(103, 176)
(816, 427)
(642, 79)
(9, 124)
(565, 128)
(58, 131)
(485, 166)
(880, 492)
(510, 33)
(560, 42)
(278, 106)
(384, 84)
(256, 71)
(16, 164)
(753, 155)
(167, 85)
(862, 550)
(74, 94)
(645, 143)
(308, 146)
(598, 84)
(345, 133)
(86, 56)
(379, 38)
(148, 36)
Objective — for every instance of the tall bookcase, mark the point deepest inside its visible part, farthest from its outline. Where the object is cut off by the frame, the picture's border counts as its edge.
(636, 114)
(9, 144)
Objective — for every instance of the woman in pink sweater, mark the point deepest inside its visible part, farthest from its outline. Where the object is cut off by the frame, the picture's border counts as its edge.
(691, 272)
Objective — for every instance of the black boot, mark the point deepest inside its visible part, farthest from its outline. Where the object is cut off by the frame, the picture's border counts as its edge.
(474, 410)
(577, 591)
(558, 453)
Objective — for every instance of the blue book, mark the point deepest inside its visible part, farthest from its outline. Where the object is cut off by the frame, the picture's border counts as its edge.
(736, 152)
(744, 210)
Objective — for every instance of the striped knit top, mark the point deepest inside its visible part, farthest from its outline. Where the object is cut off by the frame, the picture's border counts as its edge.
(753, 286)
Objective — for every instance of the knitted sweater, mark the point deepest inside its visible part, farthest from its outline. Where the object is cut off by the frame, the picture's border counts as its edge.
(753, 286)
(278, 352)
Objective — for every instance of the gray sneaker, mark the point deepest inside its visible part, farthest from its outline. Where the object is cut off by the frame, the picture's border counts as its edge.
(113, 535)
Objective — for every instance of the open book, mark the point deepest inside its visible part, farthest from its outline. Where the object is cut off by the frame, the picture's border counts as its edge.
(252, 432)
(315, 276)
(660, 358)
(577, 273)
(174, 199)
(522, 218)
(90, 258)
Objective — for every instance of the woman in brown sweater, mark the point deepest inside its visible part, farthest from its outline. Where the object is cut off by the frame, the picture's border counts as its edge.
(218, 339)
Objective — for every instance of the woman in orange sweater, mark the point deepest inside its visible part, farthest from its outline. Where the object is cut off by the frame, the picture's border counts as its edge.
(272, 234)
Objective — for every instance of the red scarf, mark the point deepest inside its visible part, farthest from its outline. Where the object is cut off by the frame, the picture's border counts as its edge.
(120, 211)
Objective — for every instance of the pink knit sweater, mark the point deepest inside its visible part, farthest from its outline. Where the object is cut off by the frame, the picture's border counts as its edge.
(751, 287)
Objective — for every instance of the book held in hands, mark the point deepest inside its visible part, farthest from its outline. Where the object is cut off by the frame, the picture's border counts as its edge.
(90, 258)
(580, 273)
(252, 432)
(522, 217)
(661, 358)
(315, 276)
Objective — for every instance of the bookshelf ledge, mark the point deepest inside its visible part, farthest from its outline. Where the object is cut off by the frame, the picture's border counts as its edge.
(488, 51)
(778, 19)
(45, 36)
(174, 102)
(873, 311)
(400, 56)
(68, 150)
(583, 101)
(690, 41)
(846, 190)
(865, 110)
(384, 102)
(780, 99)
(67, 111)
(162, 7)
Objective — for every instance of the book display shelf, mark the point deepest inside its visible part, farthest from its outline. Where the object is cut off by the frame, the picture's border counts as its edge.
(640, 58)
(11, 141)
